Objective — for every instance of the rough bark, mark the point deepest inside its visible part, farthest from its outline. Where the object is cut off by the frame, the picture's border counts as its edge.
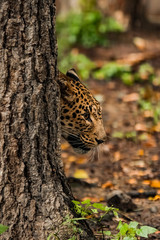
(34, 195)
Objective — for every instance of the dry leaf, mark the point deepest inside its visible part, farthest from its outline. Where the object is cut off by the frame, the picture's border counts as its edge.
(156, 128)
(80, 173)
(140, 190)
(65, 146)
(157, 197)
(107, 184)
(148, 113)
(93, 180)
(132, 181)
(71, 159)
(140, 127)
(155, 183)
(150, 142)
(146, 182)
(155, 157)
(117, 156)
(81, 160)
(140, 152)
(93, 199)
(140, 43)
(64, 155)
(131, 97)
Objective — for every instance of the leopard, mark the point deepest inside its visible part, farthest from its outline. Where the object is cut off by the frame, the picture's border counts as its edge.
(81, 114)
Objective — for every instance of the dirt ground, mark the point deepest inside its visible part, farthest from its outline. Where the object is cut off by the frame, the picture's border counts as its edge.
(129, 164)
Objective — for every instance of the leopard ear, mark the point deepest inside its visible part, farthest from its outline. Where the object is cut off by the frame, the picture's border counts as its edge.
(72, 74)
(62, 81)
(65, 87)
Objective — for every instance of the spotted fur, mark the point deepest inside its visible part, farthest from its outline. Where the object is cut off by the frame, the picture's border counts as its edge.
(81, 114)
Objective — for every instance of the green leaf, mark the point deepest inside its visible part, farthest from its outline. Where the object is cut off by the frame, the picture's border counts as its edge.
(72, 238)
(145, 230)
(99, 206)
(133, 225)
(131, 134)
(129, 238)
(127, 79)
(123, 227)
(120, 224)
(3, 228)
(94, 210)
(75, 202)
(118, 135)
(108, 233)
(87, 201)
(115, 213)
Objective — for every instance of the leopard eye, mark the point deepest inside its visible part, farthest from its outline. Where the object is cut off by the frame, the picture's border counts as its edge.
(87, 117)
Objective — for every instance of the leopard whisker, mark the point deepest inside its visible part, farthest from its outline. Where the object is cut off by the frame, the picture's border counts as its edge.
(72, 134)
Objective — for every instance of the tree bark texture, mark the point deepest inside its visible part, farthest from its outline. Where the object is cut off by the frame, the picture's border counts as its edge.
(33, 189)
(34, 194)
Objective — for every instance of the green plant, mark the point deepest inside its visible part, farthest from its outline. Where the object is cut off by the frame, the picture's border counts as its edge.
(3, 228)
(127, 78)
(131, 230)
(128, 135)
(87, 208)
(145, 73)
(95, 212)
(154, 108)
(126, 231)
(87, 28)
(78, 61)
(110, 70)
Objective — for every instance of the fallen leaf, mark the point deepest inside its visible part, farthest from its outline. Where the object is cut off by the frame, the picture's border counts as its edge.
(146, 182)
(155, 157)
(90, 216)
(131, 97)
(156, 128)
(140, 127)
(81, 160)
(140, 43)
(80, 173)
(93, 180)
(150, 142)
(117, 156)
(132, 181)
(93, 199)
(148, 113)
(107, 184)
(157, 197)
(143, 137)
(65, 146)
(64, 155)
(71, 159)
(140, 190)
(155, 183)
(140, 152)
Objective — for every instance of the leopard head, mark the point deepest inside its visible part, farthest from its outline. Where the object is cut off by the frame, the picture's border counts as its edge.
(81, 114)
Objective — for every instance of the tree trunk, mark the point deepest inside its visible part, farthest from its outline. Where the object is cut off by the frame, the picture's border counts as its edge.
(34, 195)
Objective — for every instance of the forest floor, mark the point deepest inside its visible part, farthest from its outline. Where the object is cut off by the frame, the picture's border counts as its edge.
(125, 171)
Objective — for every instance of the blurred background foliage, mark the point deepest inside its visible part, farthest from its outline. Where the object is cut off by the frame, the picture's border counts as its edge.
(89, 28)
